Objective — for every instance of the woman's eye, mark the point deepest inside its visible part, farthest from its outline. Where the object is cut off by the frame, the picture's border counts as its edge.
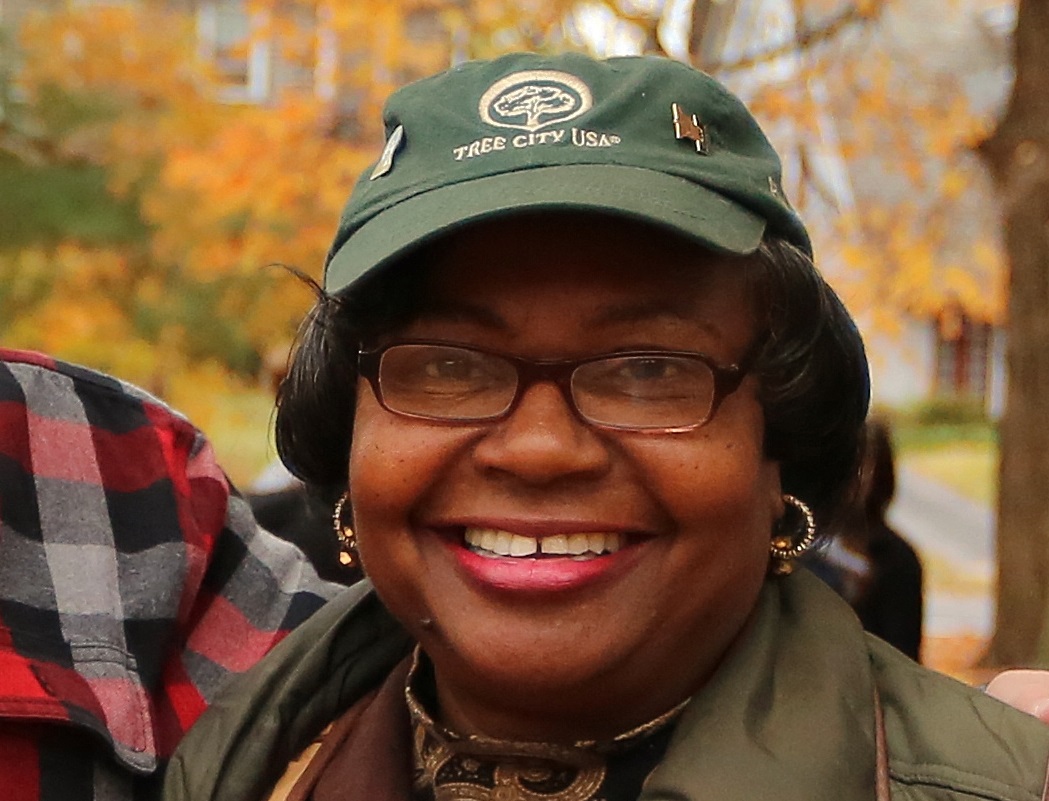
(650, 369)
(450, 369)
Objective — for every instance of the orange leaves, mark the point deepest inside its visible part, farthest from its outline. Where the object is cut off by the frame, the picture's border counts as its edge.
(104, 86)
(878, 138)
(74, 293)
(893, 261)
(790, 104)
(113, 49)
(225, 189)
(954, 183)
(881, 153)
(256, 191)
(487, 28)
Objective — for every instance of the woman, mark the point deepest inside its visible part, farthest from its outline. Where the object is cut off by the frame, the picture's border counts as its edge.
(591, 399)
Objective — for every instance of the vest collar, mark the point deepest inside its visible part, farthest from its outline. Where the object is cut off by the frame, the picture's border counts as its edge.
(797, 685)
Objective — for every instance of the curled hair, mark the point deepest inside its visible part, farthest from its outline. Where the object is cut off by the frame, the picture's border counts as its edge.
(815, 387)
(812, 370)
(317, 399)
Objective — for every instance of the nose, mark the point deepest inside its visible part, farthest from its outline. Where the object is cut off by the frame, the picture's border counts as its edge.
(543, 440)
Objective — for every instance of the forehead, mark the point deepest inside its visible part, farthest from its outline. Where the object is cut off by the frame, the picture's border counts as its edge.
(586, 265)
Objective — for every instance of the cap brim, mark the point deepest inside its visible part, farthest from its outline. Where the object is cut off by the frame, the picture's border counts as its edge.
(665, 200)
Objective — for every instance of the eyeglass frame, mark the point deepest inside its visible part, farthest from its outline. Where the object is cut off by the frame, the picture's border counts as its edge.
(727, 379)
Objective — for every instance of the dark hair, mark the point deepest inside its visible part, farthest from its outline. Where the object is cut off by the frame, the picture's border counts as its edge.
(815, 385)
(317, 398)
(812, 369)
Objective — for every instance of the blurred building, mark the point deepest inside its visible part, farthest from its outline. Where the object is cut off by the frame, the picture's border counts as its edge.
(255, 62)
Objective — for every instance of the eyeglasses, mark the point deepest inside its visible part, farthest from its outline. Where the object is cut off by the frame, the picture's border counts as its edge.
(665, 391)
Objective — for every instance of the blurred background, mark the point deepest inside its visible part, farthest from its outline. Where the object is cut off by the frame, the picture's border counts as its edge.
(160, 160)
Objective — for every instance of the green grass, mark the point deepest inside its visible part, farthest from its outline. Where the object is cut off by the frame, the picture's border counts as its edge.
(970, 468)
(962, 456)
(911, 437)
(48, 204)
(240, 431)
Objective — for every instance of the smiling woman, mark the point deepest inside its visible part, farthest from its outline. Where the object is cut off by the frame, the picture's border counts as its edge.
(582, 407)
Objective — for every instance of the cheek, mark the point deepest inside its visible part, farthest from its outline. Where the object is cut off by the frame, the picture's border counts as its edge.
(385, 483)
(730, 507)
(395, 465)
(728, 523)
(716, 475)
(391, 459)
(723, 496)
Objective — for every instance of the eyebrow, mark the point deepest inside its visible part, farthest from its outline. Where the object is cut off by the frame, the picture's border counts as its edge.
(650, 311)
(452, 310)
(460, 312)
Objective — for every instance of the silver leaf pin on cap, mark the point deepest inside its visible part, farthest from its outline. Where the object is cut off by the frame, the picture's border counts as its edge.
(385, 163)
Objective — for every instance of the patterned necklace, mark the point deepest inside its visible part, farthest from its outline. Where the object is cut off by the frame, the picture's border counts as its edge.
(453, 767)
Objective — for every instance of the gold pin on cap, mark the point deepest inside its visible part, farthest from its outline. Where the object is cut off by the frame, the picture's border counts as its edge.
(688, 126)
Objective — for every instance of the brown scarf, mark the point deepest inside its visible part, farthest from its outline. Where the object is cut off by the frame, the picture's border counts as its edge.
(366, 754)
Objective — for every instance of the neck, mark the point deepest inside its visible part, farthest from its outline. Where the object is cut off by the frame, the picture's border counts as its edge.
(534, 715)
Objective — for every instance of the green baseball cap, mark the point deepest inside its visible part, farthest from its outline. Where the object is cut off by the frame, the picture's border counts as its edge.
(644, 137)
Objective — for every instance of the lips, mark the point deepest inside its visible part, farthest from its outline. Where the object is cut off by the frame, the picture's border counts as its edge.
(495, 543)
(541, 558)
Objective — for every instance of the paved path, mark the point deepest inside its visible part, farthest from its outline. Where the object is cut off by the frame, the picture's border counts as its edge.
(956, 530)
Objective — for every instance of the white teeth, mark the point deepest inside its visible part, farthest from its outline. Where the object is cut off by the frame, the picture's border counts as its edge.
(555, 544)
(496, 542)
(501, 542)
(578, 543)
(523, 546)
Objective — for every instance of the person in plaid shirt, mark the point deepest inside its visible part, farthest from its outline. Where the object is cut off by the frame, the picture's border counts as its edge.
(133, 582)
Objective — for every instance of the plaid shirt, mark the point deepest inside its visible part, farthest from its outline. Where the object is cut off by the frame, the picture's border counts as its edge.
(133, 583)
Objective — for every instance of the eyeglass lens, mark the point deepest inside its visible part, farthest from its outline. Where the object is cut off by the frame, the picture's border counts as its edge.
(446, 382)
(644, 391)
(638, 391)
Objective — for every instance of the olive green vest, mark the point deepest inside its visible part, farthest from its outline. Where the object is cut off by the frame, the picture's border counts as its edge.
(790, 715)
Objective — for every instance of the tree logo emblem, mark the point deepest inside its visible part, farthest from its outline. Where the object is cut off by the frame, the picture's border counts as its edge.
(535, 99)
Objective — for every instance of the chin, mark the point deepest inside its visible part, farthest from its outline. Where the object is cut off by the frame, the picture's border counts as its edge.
(553, 675)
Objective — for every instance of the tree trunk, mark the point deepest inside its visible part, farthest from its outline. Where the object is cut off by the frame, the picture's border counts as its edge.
(1018, 156)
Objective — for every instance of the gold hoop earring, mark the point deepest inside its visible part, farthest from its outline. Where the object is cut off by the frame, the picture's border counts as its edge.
(344, 534)
(785, 548)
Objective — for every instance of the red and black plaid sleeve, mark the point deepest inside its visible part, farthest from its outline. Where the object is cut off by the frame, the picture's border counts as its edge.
(133, 583)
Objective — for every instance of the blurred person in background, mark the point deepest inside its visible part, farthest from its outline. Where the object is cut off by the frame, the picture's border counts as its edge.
(870, 565)
(133, 583)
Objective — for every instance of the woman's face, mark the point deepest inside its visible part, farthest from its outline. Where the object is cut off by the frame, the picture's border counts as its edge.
(555, 648)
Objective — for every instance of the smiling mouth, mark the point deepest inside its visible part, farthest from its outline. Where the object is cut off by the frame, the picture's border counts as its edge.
(496, 544)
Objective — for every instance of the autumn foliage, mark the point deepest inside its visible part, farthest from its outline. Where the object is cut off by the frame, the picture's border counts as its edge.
(885, 172)
(181, 294)
(165, 271)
